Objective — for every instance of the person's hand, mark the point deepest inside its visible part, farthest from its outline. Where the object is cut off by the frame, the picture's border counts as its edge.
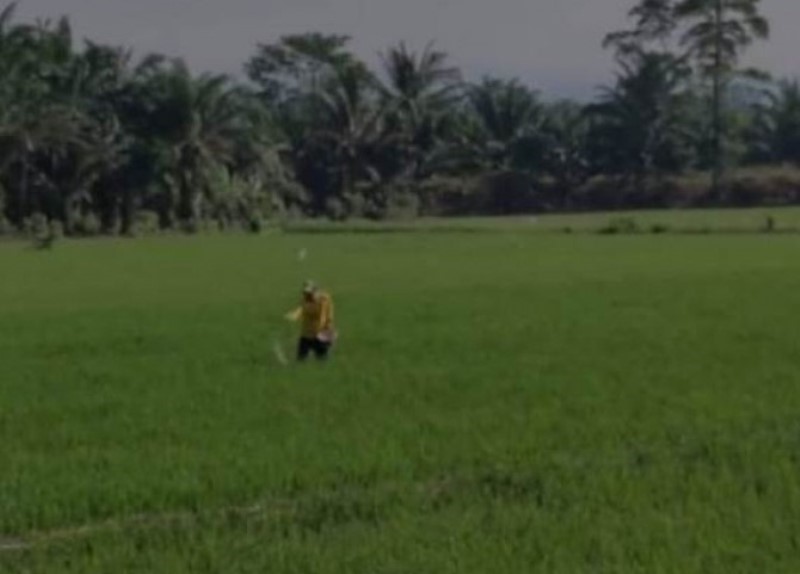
(293, 315)
(328, 335)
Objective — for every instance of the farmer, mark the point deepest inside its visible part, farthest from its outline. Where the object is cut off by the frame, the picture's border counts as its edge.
(315, 315)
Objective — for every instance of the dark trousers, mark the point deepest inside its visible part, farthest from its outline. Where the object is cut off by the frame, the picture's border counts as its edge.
(306, 346)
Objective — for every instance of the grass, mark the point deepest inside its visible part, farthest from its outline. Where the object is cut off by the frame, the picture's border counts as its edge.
(678, 221)
(503, 402)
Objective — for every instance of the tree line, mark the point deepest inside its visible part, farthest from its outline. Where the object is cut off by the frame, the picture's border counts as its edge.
(95, 140)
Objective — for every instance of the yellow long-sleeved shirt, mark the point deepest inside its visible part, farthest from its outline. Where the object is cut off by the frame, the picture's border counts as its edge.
(315, 316)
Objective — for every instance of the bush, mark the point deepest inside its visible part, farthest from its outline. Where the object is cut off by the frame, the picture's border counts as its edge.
(745, 192)
(5, 227)
(111, 226)
(56, 229)
(357, 205)
(36, 225)
(191, 226)
(337, 209)
(403, 205)
(659, 228)
(213, 225)
(505, 193)
(620, 226)
(293, 213)
(374, 208)
(256, 224)
(145, 223)
(88, 225)
(601, 193)
(440, 196)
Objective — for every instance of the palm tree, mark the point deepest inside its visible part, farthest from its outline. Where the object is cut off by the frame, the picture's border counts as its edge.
(62, 134)
(28, 144)
(351, 126)
(654, 23)
(324, 103)
(502, 126)
(775, 132)
(719, 32)
(254, 182)
(565, 135)
(15, 139)
(38, 115)
(297, 65)
(421, 90)
(85, 170)
(639, 123)
(193, 123)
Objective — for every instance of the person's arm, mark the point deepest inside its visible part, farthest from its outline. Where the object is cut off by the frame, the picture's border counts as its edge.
(294, 315)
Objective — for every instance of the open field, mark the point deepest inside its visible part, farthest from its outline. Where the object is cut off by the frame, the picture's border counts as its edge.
(500, 402)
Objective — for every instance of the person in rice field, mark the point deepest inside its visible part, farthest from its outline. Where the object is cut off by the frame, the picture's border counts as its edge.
(315, 316)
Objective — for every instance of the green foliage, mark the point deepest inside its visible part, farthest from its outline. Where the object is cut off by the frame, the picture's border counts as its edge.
(502, 127)
(421, 91)
(403, 206)
(654, 21)
(719, 30)
(87, 225)
(56, 229)
(297, 65)
(718, 33)
(621, 225)
(640, 125)
(566, 135)
(89, 134)
(36, 225)
(91, 129)
(774, 134)
(338, 209)
(145, 223)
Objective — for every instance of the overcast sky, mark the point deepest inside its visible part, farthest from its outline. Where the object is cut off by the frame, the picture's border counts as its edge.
(551, 44)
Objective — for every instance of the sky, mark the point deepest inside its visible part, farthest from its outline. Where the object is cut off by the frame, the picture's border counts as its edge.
(553, 45)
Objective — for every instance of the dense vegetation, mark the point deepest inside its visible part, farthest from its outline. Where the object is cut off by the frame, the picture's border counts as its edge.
(94, 140)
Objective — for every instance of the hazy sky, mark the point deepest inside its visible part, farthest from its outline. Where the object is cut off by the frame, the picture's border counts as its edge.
(552, 44)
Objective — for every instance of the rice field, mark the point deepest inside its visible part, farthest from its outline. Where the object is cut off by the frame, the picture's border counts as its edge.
(503, 401)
